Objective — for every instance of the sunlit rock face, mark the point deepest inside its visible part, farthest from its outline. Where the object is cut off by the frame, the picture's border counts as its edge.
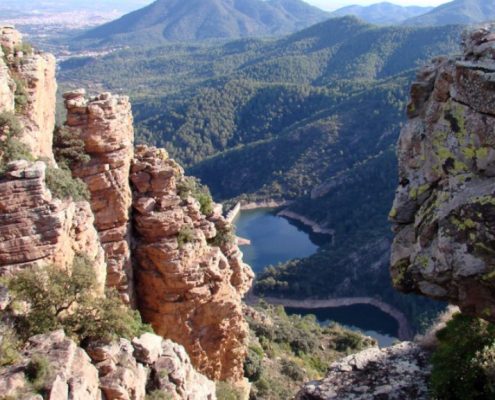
(444, 209)
(104, 123)
(188, 289)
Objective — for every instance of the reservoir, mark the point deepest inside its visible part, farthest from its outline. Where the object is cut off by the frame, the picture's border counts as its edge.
(276, 239)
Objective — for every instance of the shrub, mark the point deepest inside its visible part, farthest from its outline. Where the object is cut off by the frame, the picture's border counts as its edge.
(38, 372)
(52, 295)
(459, 364)
(189, 186)
(253, 365)
(224, 236)
(292, 370)
(20, 95)
(10, 147)
(63, 185)
(226, 391)
(186, 235)
(158, 395)
(25, 47)
(9, 346)
(349, 340)
(68, 147)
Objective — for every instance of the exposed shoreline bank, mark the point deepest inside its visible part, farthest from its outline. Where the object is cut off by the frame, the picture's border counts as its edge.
(405, 331)
(315, 228)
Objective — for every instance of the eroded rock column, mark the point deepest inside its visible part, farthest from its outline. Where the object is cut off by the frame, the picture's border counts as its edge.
(187, 289)
(104, 123)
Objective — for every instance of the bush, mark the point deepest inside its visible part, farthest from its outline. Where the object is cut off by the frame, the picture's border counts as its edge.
(38, 372)
(20, 96)
(224, 236)
(461, 364)
(186, 235)
(292, 370)
(52, 295)
(225, 391)
(68, 147)
(63, 185)
(9, 346)
(158, 395)
(10, 147)
(190, 186)
(253, 365)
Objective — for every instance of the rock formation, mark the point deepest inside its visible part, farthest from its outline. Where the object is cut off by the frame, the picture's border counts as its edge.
(394, 373)
(444, 210)
(104, 123)
(121, 371)
(29, 75)
(37, 229)
(187, 289)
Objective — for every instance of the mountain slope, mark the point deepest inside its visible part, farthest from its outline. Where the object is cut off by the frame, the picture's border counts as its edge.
(382, 13)
(464, 12)
(180, 20)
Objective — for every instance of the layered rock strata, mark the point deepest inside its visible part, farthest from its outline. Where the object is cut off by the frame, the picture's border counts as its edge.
(104, 123)
(121, 371)
(394, 373)
(37, 229)
(444, 210)
(188, 289)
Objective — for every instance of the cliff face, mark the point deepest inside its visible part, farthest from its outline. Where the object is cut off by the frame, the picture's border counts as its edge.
(444, 210)
(104, 123)
(37, 229)
(188, 290)
(30, 75)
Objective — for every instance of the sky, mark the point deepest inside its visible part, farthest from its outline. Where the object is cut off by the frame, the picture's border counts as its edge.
(334, 4)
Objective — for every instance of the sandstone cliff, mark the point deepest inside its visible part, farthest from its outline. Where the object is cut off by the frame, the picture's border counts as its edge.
(29, 76)
(444, 210)
(104, 123)
(188, 290)
(37, 229)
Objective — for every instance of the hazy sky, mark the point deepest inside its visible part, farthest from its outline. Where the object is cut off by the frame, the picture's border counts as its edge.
(334, 4)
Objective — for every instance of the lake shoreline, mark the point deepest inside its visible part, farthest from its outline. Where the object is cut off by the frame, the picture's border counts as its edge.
(405, 331)
(314, 226)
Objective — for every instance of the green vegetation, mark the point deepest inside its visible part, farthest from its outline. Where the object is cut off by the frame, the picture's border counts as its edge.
(464, 361)
(190, 186)
(68, 148)
(9, 346)
(63, 185)
(20, 95)
(38, 372)
(226, 391)
(158, 395)
(186, 235)
(52, 295)
(10, 147)
(286, 351)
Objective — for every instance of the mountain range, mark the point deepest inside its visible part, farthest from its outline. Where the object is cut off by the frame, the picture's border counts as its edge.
(180, 20)
(382, 13)
(465, 12)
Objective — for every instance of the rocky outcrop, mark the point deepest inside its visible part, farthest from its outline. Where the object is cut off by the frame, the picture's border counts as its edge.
(30, 76)
(187, 288)
(104, 123)
(394, 373)
(444, 210)
(119, 371)
(37, 229)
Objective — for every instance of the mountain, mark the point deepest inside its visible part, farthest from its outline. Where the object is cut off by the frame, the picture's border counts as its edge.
(464, 12)
(382, 13)
(182, 20)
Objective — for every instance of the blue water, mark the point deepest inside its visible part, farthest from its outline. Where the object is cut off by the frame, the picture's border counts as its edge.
(276, 239)
(273, 239)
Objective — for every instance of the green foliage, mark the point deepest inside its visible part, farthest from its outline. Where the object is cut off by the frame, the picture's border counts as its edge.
(190, 186)
(186, 235)
(63, 185)
(68, 148)
(158, 395)
(38, 372)
(226, 391)
(11, 148)
(24, 47)
(253, 363)
(20, 95)
(53, 294)
(292, 370)
(462, 362)
(225, 236)
(9, 346)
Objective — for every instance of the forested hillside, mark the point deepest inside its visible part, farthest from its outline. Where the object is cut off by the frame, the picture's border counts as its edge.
(311, 117)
